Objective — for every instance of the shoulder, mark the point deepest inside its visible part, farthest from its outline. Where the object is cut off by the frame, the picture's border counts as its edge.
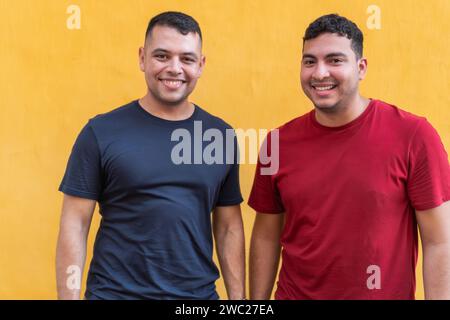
(412, 127)
(295, 124)
(210, 120)
(113, 116)
(391, 113)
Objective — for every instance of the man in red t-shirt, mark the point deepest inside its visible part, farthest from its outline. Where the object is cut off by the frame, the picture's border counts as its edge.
(356, 176)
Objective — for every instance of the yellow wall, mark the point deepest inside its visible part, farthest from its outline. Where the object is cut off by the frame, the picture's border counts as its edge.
(53, 79)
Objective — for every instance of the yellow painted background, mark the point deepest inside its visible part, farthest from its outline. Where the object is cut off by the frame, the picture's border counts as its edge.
(52, 80)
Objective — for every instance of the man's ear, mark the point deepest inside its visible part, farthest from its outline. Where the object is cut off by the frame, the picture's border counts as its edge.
(202, 65)
(362, 68)
(142, 58)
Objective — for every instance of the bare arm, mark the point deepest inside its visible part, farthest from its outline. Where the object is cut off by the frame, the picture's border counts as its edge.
(76, 219)
(230, 245)
(265, 251)
(434, 225)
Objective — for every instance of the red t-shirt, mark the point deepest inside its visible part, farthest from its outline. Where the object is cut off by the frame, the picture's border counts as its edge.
(350, 194)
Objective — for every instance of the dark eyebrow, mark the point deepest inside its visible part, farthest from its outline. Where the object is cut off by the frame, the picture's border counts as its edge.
(191, 54)
(160, 50)
(330, 55)
(306, 55)
(336, 54)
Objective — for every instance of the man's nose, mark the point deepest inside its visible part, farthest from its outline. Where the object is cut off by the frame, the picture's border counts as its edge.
(320, 72)
(175, 66)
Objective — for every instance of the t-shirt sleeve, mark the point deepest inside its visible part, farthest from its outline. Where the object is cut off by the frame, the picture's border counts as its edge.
(264, 196)
(83, 173)
(230, 192)
(428, 182)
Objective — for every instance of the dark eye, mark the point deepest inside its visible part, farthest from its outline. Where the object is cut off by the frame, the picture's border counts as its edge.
(161, 56)
(336, 61)
(188, 60)
(308, 62)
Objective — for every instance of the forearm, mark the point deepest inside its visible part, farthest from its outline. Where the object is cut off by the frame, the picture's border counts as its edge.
(70, 259)
(436, 271)
(264, 260)
(230, 244)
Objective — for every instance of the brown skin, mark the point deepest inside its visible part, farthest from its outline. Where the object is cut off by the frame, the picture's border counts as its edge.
(167, 58)
(75, 222)
(329, 60)
(265, 249)
(228, 230)
(172, 64)
(434, 226)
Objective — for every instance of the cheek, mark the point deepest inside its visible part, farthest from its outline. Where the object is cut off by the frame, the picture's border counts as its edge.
(340, 76)
(193, 73)
(150, 77)
(154, 68)
(304, 78)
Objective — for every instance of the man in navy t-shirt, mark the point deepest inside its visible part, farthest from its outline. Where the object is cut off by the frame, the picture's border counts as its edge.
(158, 167)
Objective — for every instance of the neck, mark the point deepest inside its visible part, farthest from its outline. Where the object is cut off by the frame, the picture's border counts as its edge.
(341, 115)
(175, 112)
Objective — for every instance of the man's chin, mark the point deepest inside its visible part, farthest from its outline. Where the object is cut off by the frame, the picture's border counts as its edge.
(325, 107)
(172, 101)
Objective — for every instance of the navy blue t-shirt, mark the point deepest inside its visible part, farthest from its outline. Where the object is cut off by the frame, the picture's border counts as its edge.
(154, 240)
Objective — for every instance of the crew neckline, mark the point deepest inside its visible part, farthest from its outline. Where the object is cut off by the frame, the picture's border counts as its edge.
(351, 124)
(192, 117)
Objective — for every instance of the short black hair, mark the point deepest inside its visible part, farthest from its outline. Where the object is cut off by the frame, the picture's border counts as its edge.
(334, 23)
(182, 22)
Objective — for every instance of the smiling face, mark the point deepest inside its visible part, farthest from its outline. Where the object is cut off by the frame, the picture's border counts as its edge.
(330, 72)
(172, 63)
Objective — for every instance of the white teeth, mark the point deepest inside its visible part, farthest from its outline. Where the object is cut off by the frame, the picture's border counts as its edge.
(173, 83)
(323, 88)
